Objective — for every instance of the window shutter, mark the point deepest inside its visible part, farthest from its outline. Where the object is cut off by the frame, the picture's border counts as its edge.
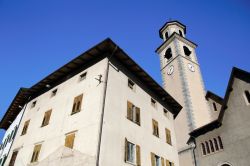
(77, 104)
(167, 163)
(138, 155)
(129, 110)
(162, 161)
(126, 150)
(36, 152)
(168, 136)
(138, 116)
(153, 159)
(69, 140)
(13, 158)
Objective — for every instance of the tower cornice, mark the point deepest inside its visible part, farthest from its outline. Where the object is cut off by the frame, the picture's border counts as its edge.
(171, 38)
(171, 23)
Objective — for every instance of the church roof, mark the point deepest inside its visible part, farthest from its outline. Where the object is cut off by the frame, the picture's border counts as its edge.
(236, 73)
(214, 97)
(171, 23)
(75, 66)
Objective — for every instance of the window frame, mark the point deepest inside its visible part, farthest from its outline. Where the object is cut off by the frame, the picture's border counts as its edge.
(46, 118)
(53, 92)
(25, 127)
(82, 76)
(77, 104)
(133, 113)
(70, 140)
(247, 97)
(155, 127)
(36, 152)
(131, 84)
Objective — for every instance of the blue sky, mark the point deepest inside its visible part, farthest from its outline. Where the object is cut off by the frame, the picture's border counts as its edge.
(37, 37)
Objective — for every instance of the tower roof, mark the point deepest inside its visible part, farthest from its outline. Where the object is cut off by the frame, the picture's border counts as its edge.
(75, 66)
(175, 22)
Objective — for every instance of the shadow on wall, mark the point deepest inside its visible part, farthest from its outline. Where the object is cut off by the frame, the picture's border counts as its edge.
(64, 156)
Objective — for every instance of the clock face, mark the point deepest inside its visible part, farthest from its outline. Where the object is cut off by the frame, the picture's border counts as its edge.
(191, 67)
(170, 70)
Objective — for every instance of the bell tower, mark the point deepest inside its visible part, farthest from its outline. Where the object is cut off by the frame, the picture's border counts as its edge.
(183, 80)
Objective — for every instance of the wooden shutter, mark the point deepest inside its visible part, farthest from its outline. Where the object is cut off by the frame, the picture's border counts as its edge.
(69, 140)
(36, 152)
(126, 150)
(155, 128)
(138, 116)
(46, 118)
(77, 104)
(138, 155)
(153, 163)
(129, 110)
(168, 136)
(162, 161)
(13, 158)
(167, 163)
(25, 127)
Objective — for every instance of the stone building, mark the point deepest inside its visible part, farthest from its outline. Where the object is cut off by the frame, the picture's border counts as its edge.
(183, 80)
(225, 141)
(99, 109)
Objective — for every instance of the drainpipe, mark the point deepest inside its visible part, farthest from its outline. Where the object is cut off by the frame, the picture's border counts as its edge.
(195, 146)
(103, 107)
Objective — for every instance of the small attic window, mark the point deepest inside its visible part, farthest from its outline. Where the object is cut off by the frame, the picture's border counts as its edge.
(153, 102)
(53, 93)
(166, 113)
(33, 104)
(83, 76)
(131, 84)
(215, 107)
(180, 32)
(166, 35)
(247, 95)
(186, 51)
(168, 54)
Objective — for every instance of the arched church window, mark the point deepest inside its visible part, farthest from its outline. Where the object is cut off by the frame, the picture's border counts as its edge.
(166, 35)
(247, 94)
(220, 142)
(211, 145)
(207, 147)
(216, 144)
(168, 54)
(226, 165)
(215, 107)
(186, 51)
(203, 149)
(180, 32)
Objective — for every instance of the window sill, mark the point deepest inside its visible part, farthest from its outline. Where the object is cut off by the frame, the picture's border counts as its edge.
(75, 112)
(156, 136)
(134, 122)
(128, 162)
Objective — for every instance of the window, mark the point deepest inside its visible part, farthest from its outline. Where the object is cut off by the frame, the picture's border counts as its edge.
(207, 147)
(215, 107)
(69, 140)
(25, 127)
(247, 94)
(166, 113)
(220, 142)
(168, 54)
(155, 128)
(180, 32)
(211, 145)
(46, 118)
(203, 149)
(168, 136)
(77, 104)
(36, 152)
(13, 158)
(216, 144)
(33, 104)
(153, 102)
(53, 93)
(83, 76)
(186, 51)
(168, 163)
(155, 160)
(132, 153)
(133, 113)
(131, 84)
(166, 35)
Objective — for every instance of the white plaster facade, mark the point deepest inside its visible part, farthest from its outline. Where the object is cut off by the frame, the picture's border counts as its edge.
(86, 123)
(234, 132)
